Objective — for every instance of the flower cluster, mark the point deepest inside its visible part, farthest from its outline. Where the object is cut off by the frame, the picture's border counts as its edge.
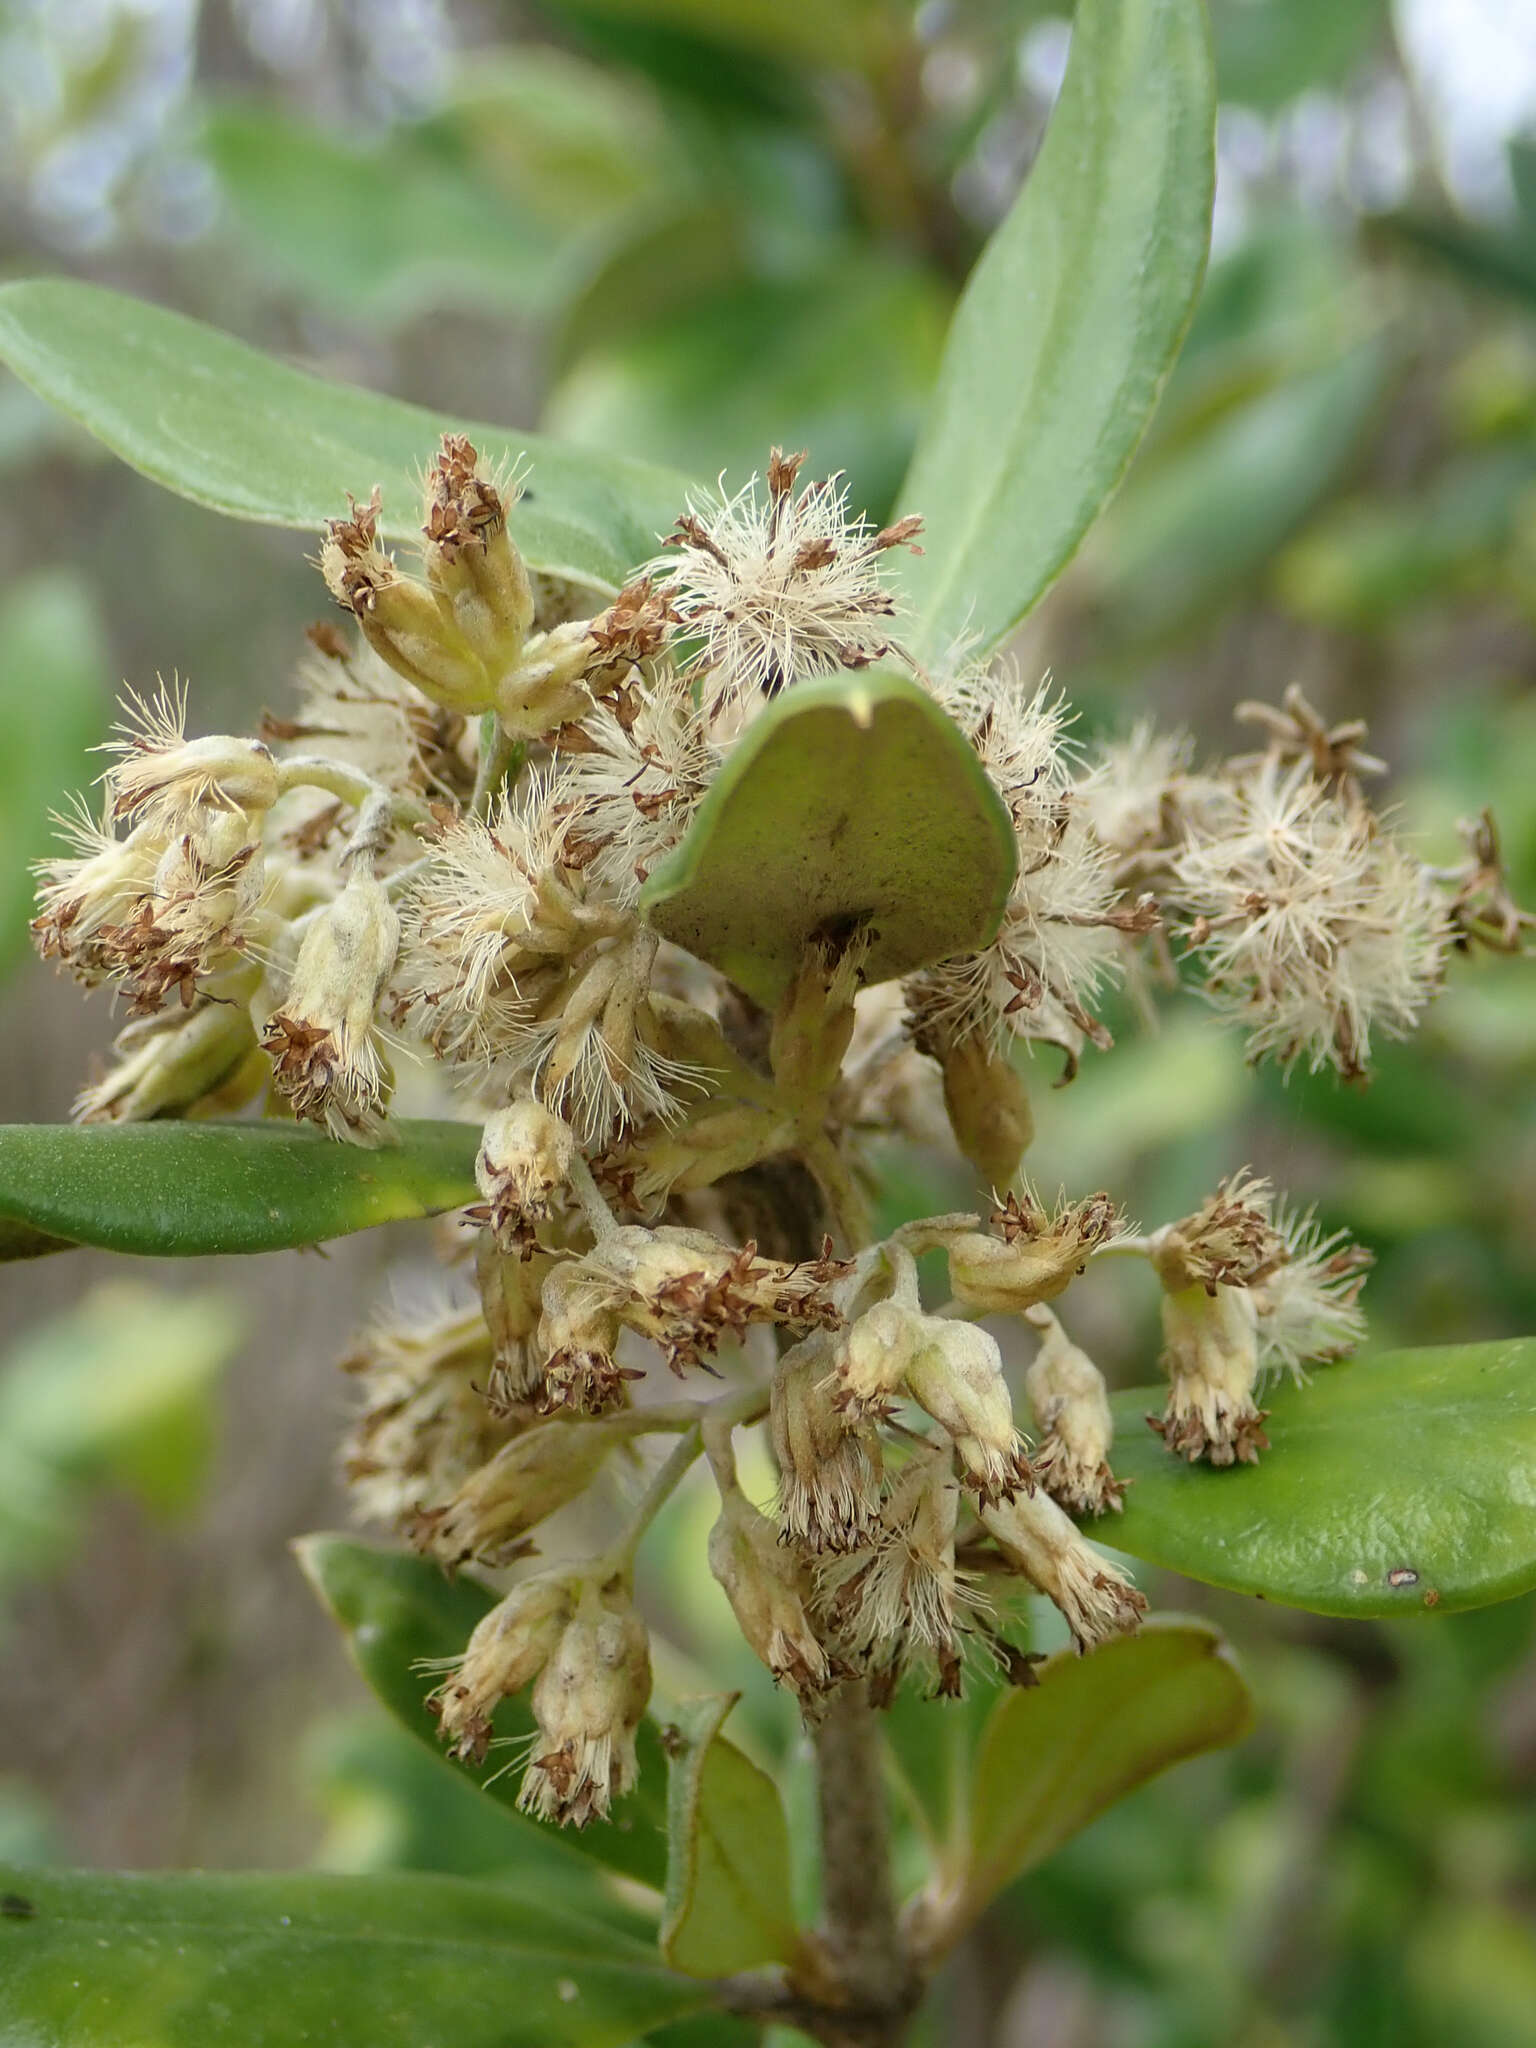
(433, 877)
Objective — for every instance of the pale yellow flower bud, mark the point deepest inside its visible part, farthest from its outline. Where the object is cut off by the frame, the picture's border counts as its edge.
(509, 1648)
(473, 566)
(1211, 1357)
(401, 620)
(902, 1603)
(987, 1105)
(528, 1480)
(578, 1334)
(874, 1354)
(322, 1039)
(588, 1702)
(957, 1377)
(1071, 1406)
(1040, 1540)
(169, 1065)
(525, 1155)
(1034, 1258)
(769, 1595)
(829, 1467)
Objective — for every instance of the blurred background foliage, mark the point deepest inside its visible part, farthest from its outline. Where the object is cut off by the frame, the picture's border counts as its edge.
(686, 229)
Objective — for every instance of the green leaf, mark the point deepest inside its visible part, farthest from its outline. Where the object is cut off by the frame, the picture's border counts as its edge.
(53, 664)
(853, 802)
(1268, 51)
(398, 1611)
(118, 1388)
(1394, 1485)
(728, 1903)
(1055, 1755)
(232, 429)
(173, 1190)
(839, 362)
(388, 231)
(207, 1960)
(1069, 324)
(1187, 533)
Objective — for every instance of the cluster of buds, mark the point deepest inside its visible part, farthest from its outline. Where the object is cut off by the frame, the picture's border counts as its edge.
(439, 864)
(585, 1652)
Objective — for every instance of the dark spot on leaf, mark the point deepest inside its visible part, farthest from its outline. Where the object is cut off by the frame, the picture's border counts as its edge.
(14, 1907)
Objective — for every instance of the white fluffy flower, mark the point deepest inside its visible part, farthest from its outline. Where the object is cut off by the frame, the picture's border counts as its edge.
(1308, 1308)
(640, 774)
(1313, 927)
(1058, 942)
(779, 584)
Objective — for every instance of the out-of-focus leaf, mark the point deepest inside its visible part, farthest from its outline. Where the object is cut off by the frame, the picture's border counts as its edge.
(117, 1388)
(1482, 257)
(1396, 1485)
(385, 231)
(1053, 1756)
(799, 31)
(398, 1612)
(53, 665)
(852, 803)
(171, 1190)
(933, 1744)
(1369, 562)
(235, 430)
(728, 1904)
(1070, 322)
(213, 1960)
(390, 1805)
(838, 363)
(1187, 534)
(570, 141)
(1268, 51)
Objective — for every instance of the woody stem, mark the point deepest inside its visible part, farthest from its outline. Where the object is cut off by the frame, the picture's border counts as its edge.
(865, 1946)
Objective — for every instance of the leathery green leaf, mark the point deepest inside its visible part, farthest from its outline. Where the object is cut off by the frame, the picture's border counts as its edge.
(402, 1619)
(1070, 322)
(1053, 1756)
(217, 1960)
(235, 430)
(728, 1904)
(173, 1190)
(851, 804)
(1401, 1484)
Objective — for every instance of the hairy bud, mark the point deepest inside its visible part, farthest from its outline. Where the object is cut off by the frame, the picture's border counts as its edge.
(578, 1334)
(957, 1377)
(1040, 1540)
(509, 1648)
(474, 568)
(322, 1040)
(1211, 1357)
(588, 1702)
(769, 1594)
(987, 1105)
(1034, 1258)
(1071, 1407)
(525, 1155)
(527, 1481)
(829, 1467)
